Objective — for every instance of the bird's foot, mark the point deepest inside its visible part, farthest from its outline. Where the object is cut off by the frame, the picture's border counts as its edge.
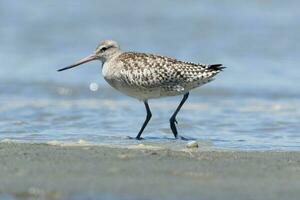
(182, 138)
(134, 138)
(139, 138)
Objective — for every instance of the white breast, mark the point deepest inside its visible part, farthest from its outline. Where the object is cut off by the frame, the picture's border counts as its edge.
(113, 76)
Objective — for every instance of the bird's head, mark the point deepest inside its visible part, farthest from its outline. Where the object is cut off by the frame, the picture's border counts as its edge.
(104, 51)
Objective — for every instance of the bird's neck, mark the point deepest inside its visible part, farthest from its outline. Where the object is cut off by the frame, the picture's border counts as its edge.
(111, 57)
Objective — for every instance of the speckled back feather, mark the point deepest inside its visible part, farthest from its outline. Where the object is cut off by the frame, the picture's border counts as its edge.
(152, 71)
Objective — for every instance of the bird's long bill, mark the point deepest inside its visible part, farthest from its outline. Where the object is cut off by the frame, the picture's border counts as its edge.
(82, 61)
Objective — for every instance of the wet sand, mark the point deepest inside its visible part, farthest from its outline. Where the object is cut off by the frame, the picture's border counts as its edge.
(98, 172)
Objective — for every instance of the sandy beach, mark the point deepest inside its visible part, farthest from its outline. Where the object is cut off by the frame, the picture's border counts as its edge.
(44, 171)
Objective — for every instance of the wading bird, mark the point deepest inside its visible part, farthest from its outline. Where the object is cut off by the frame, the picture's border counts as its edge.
(147, 76)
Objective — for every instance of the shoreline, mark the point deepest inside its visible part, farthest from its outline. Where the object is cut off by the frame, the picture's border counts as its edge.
(88, 171)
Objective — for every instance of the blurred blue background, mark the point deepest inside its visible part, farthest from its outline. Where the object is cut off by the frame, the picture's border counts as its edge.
(256, 97)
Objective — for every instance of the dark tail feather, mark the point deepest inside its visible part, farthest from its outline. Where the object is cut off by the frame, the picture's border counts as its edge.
(216, 67)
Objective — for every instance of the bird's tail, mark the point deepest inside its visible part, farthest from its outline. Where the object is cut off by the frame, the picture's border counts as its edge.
(216, 67)
(213, 70)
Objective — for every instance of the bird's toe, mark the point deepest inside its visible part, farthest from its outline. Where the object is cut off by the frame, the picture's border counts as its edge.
(182, 138)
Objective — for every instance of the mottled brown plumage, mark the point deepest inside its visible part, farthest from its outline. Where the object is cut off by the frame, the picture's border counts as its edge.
(170, 76)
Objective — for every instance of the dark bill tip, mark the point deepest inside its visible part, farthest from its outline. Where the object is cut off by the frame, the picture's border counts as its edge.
(82, 61)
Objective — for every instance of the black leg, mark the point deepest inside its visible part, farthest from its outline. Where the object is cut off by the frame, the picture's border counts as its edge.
(173, 118)
(148, 117)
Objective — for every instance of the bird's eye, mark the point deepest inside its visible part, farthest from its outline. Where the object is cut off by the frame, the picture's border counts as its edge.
(104, 48)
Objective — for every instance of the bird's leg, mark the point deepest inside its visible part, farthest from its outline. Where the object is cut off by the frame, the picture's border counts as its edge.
(173, 117)
(148, 117)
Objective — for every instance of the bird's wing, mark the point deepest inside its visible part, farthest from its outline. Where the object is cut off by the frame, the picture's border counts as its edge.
(149, 71)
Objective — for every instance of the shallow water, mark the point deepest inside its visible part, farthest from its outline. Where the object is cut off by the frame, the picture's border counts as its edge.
(252, 105)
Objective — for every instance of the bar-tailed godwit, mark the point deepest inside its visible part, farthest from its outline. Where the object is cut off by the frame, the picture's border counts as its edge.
(148, 76)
